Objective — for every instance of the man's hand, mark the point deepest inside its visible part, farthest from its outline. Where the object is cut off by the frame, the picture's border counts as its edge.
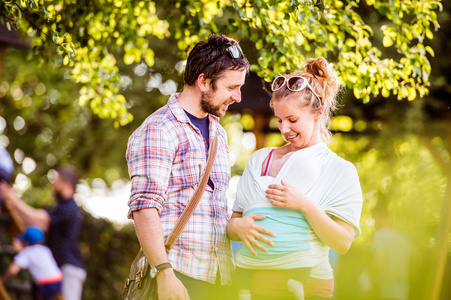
(8, 194)
(26, 213)
(249, 232)
(170, 287)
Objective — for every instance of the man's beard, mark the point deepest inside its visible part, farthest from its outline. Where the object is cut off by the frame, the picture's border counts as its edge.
(207, 106)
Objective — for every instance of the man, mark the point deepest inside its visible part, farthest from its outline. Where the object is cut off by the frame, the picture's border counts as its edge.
(167, 157)
(62, 224)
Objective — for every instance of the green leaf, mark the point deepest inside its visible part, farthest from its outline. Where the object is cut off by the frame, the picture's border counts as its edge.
(149, 58)
(129, 58)
(387, 41)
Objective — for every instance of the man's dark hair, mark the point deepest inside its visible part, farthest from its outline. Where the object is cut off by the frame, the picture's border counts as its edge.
(69, 175)
(212, 58)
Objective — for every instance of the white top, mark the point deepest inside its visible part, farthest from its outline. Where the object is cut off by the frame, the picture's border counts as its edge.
(330, 181)
(39, 261)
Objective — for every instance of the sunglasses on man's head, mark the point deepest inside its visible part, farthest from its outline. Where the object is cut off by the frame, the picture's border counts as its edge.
(294, 84)
(235, 51)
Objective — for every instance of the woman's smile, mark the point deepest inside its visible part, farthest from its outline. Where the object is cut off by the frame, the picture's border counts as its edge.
(290, 137)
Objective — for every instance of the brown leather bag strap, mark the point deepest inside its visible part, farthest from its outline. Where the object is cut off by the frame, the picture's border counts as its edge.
(195, 198)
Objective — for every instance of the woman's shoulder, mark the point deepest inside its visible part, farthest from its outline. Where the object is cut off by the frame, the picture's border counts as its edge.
(340, 168)
(341, 162)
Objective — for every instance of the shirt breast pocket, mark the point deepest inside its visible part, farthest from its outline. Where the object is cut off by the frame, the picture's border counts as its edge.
(189, 165)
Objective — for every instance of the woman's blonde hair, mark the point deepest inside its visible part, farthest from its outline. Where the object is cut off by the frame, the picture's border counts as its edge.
(324, 80)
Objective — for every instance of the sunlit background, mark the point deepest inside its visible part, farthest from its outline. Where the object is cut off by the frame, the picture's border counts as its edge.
(400, 148)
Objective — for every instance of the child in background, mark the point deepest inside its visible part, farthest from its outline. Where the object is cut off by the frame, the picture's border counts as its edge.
(39, 261)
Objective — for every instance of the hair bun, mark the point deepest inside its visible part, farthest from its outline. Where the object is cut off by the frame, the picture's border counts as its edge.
(324, 71)
(318, 67)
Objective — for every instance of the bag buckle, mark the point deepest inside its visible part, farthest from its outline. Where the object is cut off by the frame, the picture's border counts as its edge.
(138, 277)
(126, 286)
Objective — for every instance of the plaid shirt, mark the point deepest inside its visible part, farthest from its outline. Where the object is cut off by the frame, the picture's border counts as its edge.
(166, 160)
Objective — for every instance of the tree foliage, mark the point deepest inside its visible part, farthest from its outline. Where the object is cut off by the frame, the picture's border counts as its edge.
(94, 37)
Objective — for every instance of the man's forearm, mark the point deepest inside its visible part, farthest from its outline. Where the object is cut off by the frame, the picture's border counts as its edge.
(29, 215)
(150, 235)
(32, 216)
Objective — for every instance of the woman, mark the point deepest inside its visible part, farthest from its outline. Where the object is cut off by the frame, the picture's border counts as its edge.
(297, 201)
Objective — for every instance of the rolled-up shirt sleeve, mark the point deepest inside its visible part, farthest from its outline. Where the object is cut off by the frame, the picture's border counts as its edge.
(150, 154)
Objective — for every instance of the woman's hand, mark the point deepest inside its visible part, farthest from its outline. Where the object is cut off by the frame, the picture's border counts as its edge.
(332, 231)
(287, 196)
(246, 230)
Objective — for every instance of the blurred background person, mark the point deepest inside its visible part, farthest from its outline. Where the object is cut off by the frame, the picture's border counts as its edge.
(39, 261)
(61, 224)
(393, 255)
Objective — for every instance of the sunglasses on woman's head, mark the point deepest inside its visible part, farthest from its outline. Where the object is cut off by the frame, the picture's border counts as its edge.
(294, 84)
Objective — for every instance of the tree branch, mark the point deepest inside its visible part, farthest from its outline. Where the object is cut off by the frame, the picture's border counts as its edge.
(34, 24)
(265, 89)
